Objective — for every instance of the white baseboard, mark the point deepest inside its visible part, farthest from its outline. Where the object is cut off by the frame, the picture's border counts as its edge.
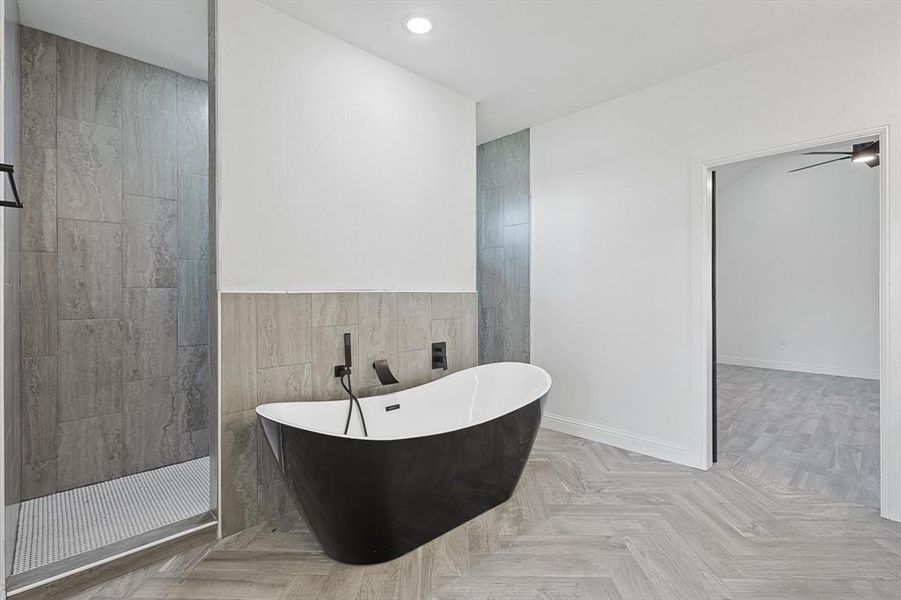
(620, 439)
(781, 365)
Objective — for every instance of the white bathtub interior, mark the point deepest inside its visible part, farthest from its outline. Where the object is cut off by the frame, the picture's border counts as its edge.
(453, 402)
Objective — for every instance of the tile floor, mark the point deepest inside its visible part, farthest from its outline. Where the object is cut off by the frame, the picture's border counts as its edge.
(65, 524)
(816, 433)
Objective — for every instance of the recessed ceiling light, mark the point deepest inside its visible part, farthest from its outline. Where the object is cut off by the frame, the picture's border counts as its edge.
(419, 25)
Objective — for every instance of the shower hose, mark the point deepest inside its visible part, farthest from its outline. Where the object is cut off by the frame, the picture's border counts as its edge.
(350, 409)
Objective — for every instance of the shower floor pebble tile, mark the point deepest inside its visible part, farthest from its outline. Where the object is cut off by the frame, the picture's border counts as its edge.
(66, 524)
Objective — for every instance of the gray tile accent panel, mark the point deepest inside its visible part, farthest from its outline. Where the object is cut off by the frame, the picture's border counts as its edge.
(335, 309)
(90, 83)
(38, 479)
(39, 85)
(446, 306)
(90, 270)
(292, 383)
(149, 86)
(193, 216)
(491, 277)
(378, 332)
(193, 388)
(90, 368)
(267, 466)
(38, 185)
(503, 192)
(90, 450)
(151, 428)
(469, 331)
(239, 352)
(194, 444)
(515, 314)
(89, 167)
(274, 500)
(516, 257)
(238, 505)
(150, 238)
(149, 131)
(95, 127)
(491, 336)
(39, 401)
(38, 131)
(38, 306)
(149, 147)
(413, 321)
(515, 192)
(513, 147)
(284, 329)
(193, 140)
(193, 302)
(490, 217)
(150, 333)
(414, 367)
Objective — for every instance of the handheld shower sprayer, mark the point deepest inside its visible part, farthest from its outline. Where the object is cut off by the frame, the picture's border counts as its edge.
(345, 370)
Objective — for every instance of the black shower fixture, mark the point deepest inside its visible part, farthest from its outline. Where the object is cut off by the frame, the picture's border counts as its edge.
(864, 153)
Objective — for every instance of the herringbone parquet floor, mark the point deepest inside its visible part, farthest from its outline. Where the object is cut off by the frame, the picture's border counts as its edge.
(587, 522)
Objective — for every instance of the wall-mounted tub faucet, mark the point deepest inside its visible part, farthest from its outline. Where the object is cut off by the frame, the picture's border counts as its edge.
(345, 370)
(383, 372)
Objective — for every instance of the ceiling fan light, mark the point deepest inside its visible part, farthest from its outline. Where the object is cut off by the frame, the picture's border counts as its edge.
(865, 153)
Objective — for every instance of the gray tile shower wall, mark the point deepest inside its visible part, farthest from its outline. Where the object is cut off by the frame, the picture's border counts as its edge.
(114, 265)
(13, 411)
(284, 347)
(503, 193)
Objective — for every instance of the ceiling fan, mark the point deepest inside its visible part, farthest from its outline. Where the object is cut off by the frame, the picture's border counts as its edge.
(865, 152)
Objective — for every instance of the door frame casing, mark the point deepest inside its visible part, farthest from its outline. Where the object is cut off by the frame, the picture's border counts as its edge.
(702, 326)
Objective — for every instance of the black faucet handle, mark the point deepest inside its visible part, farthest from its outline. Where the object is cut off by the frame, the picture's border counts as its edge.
(439, 355)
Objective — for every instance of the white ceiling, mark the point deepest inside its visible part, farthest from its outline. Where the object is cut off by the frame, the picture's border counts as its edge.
(167, 33)
(527, 62)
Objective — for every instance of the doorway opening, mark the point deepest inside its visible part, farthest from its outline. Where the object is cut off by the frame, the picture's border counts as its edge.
(795, 345)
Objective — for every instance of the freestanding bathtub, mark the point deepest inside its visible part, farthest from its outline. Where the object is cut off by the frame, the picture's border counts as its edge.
(437, 455)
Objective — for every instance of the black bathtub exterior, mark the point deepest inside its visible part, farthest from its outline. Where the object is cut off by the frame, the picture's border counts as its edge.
(370, 501)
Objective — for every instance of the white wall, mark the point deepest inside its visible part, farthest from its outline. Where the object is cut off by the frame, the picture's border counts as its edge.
(798, 267)
(338, 170)
(612, 202)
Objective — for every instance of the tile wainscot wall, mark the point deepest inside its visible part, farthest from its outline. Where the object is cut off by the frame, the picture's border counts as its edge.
(284, 347)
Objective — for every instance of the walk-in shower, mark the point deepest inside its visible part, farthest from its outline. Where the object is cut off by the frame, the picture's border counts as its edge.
(107, 388)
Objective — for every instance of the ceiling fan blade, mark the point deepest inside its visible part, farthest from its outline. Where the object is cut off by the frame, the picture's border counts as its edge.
(819, 164)
(809, 153)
